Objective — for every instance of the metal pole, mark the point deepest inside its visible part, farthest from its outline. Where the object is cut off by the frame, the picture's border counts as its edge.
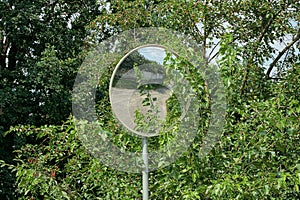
(145, 170)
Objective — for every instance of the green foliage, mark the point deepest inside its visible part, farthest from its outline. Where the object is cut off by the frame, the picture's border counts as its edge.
(60, 168)
(257, 156)
(149, 121)
(40, 45)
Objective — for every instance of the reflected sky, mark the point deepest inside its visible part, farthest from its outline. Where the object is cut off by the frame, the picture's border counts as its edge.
(156, 54)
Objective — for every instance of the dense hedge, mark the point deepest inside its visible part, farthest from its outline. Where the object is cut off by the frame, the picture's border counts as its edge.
(257, 157)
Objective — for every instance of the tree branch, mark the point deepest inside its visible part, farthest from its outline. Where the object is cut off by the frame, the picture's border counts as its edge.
(218, 43)
(259, 39)
(272, 65)
(245, 78)
(264, 31)
(217, 53)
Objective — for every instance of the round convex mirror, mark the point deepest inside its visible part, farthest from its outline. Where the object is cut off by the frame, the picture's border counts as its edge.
(140, 87)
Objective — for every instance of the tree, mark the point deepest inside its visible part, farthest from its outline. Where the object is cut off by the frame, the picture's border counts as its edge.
(258, 56)
(256, 26)
(40, 44)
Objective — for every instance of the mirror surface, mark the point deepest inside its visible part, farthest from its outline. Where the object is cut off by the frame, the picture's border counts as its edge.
(140, 88)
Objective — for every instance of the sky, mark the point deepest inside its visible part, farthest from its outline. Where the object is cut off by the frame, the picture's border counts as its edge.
(156, 54)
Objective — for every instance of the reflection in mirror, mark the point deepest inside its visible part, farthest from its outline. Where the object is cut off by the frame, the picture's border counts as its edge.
(140, 88)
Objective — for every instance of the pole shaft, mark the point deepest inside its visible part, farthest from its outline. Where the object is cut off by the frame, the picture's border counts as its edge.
(145, 170)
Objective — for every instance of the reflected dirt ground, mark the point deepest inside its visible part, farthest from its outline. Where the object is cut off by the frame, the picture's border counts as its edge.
(127, 101)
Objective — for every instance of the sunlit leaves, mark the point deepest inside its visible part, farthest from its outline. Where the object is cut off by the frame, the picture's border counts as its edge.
(258, 155)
